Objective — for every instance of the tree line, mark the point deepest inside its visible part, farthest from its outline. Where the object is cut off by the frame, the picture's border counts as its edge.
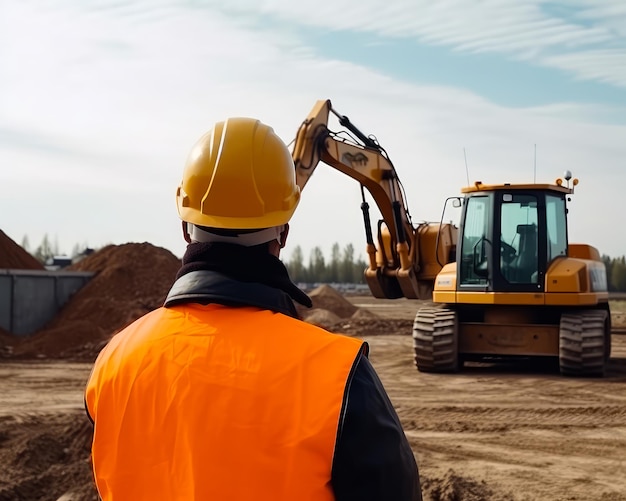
(342, 266)
(615, 273)
(49, 248)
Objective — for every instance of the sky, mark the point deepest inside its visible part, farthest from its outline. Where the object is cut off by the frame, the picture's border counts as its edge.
(101, 101)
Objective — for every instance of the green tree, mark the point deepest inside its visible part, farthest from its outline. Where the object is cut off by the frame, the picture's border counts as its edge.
(44, 251)
(347, 265)
(359, 271)
(608, 264)
(55, 246)
(26, 243)
(618, 274)
(335, 264)
(75, 250)
(295, 266)
(317, 265)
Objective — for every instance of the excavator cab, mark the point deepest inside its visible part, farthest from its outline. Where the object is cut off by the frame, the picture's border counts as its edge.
(509, 237)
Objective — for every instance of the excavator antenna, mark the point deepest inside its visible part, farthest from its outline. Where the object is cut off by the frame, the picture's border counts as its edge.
(535, 167)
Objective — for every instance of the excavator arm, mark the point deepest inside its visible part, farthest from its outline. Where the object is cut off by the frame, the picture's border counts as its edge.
(404, 260)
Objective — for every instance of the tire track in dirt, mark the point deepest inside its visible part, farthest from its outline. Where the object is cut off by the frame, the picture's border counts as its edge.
(524, 434)
(503, 418)
(523, 457)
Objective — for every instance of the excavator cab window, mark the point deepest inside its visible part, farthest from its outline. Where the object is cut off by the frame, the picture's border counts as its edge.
(556, 226)
(519, 243)
(475, 244)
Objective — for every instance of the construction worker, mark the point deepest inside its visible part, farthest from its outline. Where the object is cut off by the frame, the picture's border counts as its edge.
(223, 393)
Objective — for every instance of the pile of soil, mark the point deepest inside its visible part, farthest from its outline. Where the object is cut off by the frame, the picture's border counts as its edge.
(328, 306)
(373, 327)
(7, 340)
(454, 487)
(46, 457)
(131, 280)
(334, 312)
(322, 318)
(13, 256)
(326, 298)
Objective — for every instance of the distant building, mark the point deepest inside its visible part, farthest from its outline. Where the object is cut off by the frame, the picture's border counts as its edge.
(57, 262)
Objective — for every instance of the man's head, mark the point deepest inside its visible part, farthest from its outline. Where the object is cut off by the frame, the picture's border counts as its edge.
(238, 186)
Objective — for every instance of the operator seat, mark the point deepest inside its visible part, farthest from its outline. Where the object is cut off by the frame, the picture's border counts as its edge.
(526, 262)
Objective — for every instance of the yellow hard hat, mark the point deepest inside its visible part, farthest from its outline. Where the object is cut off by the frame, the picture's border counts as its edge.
(239, 175)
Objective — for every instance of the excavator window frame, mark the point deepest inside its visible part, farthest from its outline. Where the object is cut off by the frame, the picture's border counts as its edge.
(489, 243)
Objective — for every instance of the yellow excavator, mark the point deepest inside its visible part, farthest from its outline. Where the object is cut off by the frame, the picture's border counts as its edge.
(505, 284)
(517, 287)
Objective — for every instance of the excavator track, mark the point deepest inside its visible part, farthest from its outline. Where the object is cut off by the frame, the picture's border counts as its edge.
(582, 339)
(435, 340)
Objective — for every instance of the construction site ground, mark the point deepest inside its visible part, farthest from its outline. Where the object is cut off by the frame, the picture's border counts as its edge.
(492, 432)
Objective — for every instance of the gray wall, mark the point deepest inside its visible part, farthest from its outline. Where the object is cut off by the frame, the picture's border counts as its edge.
(30, 299)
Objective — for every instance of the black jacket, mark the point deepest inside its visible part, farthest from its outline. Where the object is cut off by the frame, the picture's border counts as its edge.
(373, 459)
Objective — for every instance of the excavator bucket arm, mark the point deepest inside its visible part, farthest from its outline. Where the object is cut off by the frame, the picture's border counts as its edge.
(395, 260)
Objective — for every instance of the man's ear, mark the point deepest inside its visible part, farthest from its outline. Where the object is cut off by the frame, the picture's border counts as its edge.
(283, 236)
(186, 235)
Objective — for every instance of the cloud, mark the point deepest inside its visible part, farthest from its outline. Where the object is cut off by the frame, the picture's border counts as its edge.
(608, 66)
(40, 143)
(556, 34)
(119, 94)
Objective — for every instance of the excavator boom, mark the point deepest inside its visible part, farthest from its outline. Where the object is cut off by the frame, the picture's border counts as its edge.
(367, 163)
(404, 260)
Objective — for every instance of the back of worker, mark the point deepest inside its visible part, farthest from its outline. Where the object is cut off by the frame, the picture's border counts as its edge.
(223, 393)
(219, 403)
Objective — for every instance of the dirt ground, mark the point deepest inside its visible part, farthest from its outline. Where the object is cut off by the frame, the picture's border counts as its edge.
(509, 432)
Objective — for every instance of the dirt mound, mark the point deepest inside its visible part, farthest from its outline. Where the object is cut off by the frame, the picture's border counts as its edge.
(363, 314)
(322, 318)
(13, 256)
(329, 307)
(7, 340)
(453, 487)
(44, 456)
(337, 314)
(373, 327)
(326, 298)
(131, 280)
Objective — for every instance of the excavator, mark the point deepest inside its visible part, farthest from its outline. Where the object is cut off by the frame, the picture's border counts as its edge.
(505, 285)
(517, 288)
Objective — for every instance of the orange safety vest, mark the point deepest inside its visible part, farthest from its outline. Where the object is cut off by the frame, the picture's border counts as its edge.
(213, 402)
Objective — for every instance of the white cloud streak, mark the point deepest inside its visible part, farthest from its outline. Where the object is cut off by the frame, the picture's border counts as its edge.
(554, 34)
(608, 66)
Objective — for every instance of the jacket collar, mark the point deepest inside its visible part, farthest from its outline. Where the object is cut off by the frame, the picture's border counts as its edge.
(242, 264)
(206, 286)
